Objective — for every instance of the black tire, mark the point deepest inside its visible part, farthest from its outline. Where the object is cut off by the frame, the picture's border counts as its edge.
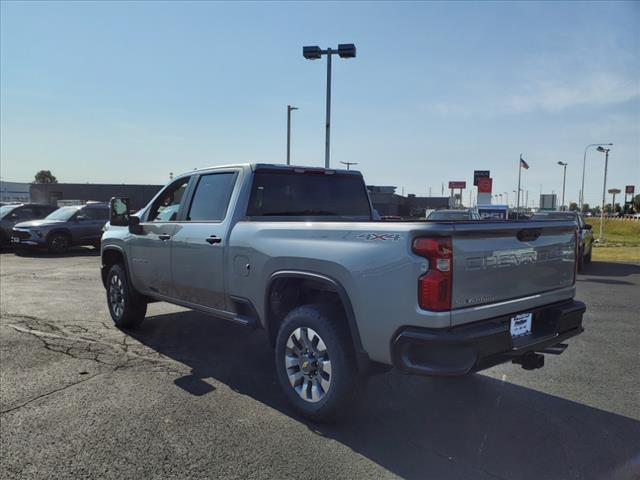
(126, 306)
(346, 383)
(58, 243)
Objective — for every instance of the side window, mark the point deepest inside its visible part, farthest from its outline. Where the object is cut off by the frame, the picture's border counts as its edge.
(211, 198)
(166, 207)
(24, 213)
(96, 213)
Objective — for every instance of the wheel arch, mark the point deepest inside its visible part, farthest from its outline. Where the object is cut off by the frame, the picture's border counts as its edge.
(112, 254)
(330, 285)
(56, 231)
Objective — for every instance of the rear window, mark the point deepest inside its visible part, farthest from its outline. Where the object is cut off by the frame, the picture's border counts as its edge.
(278, 194)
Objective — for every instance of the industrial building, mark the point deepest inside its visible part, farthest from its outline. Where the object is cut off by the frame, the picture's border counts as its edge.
(389, 203)
(52, 193)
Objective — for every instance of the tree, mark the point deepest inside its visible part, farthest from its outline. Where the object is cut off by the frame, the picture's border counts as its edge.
(596, 210)
(636, 203)
(573, 207)
(607, 208)
(585, 207)
(617, 208)
(45, 176)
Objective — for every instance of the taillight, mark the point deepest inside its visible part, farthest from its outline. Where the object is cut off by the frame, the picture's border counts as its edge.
(434, 287)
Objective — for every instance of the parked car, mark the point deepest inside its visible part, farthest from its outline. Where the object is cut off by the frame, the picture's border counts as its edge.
(295, 251)
(463, 215)
(12, 214)
(64, 228)
(585, 247)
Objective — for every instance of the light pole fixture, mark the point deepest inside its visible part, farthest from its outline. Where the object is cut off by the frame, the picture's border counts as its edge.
(564, 178)
(584, 162)
(348, 164)
(289, 110)
(345, 50)
(604, 188)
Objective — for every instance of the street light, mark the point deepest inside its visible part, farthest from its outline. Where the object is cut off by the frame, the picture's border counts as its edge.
(604, 187)
(289, 109)
(507, 195)
(584, 162)
(348, 164)
(345, 50)
(564, 178)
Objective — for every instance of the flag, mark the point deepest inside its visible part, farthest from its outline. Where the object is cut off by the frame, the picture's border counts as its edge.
(524, 164)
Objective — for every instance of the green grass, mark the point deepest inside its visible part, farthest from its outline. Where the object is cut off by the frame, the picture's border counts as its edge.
(617, 232)
(621, 240)
(616, 254)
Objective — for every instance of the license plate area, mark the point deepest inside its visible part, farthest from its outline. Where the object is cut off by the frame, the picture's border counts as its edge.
(520, 325)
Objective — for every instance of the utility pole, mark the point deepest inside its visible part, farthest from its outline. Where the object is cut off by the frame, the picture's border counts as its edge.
(564, 181)
(604, 189)
(289, 109)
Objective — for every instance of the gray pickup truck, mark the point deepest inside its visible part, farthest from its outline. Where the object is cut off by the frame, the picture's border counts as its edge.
(295, 251)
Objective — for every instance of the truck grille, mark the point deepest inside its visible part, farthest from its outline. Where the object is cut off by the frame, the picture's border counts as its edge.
(21, 234)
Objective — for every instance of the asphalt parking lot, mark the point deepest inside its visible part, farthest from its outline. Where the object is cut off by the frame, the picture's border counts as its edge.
(188, 396)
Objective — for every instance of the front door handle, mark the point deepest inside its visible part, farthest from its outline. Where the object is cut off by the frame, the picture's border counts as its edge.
(164, 237)
(213, 239)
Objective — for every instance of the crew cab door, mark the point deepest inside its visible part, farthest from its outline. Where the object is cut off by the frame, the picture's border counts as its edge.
(198, 243)
(150, 245)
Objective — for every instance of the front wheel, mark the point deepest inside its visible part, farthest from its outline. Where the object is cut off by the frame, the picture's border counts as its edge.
(58, 243)
(126, 307)
(316, 363)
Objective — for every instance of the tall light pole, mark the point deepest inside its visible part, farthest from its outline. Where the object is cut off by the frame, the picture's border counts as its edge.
(507, 195)
(564, 179)
(289, 109)
(348, 164)
(345, 50)
(584, 162)
(604, 187)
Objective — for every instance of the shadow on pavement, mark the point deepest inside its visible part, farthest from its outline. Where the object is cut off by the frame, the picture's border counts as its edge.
(472, 427)
(610, 269)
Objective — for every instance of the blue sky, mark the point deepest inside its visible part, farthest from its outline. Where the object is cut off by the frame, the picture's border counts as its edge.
(128, 92)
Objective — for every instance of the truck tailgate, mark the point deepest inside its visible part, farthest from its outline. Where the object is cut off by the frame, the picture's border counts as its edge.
(499, 262)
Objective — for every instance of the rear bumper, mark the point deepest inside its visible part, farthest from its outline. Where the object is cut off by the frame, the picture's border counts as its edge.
(469, 348)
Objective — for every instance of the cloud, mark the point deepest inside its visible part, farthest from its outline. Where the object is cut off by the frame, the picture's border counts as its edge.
(544, 95)
(597, 89)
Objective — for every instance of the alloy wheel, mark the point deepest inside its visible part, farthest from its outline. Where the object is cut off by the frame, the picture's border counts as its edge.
(308, 364)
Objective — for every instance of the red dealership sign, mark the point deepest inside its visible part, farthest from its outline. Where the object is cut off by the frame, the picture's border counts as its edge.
(484, 184)
(453, 185)
(630, 189)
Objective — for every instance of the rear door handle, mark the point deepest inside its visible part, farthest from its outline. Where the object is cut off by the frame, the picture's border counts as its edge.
(213, 239)
(164, 237)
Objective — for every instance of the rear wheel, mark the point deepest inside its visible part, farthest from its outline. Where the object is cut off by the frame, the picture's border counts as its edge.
(316, 363)
(126, 306)
(59, 243)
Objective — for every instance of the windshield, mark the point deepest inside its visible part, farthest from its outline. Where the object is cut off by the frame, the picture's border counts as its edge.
(64, 213)
(5, 209)
(461, 215)
(554, 216)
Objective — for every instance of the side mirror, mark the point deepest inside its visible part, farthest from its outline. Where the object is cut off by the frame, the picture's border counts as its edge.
(588, 226)
(119, 211)
(134, 225)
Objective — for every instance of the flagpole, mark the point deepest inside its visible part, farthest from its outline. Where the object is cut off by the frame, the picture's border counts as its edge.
(519, 177)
